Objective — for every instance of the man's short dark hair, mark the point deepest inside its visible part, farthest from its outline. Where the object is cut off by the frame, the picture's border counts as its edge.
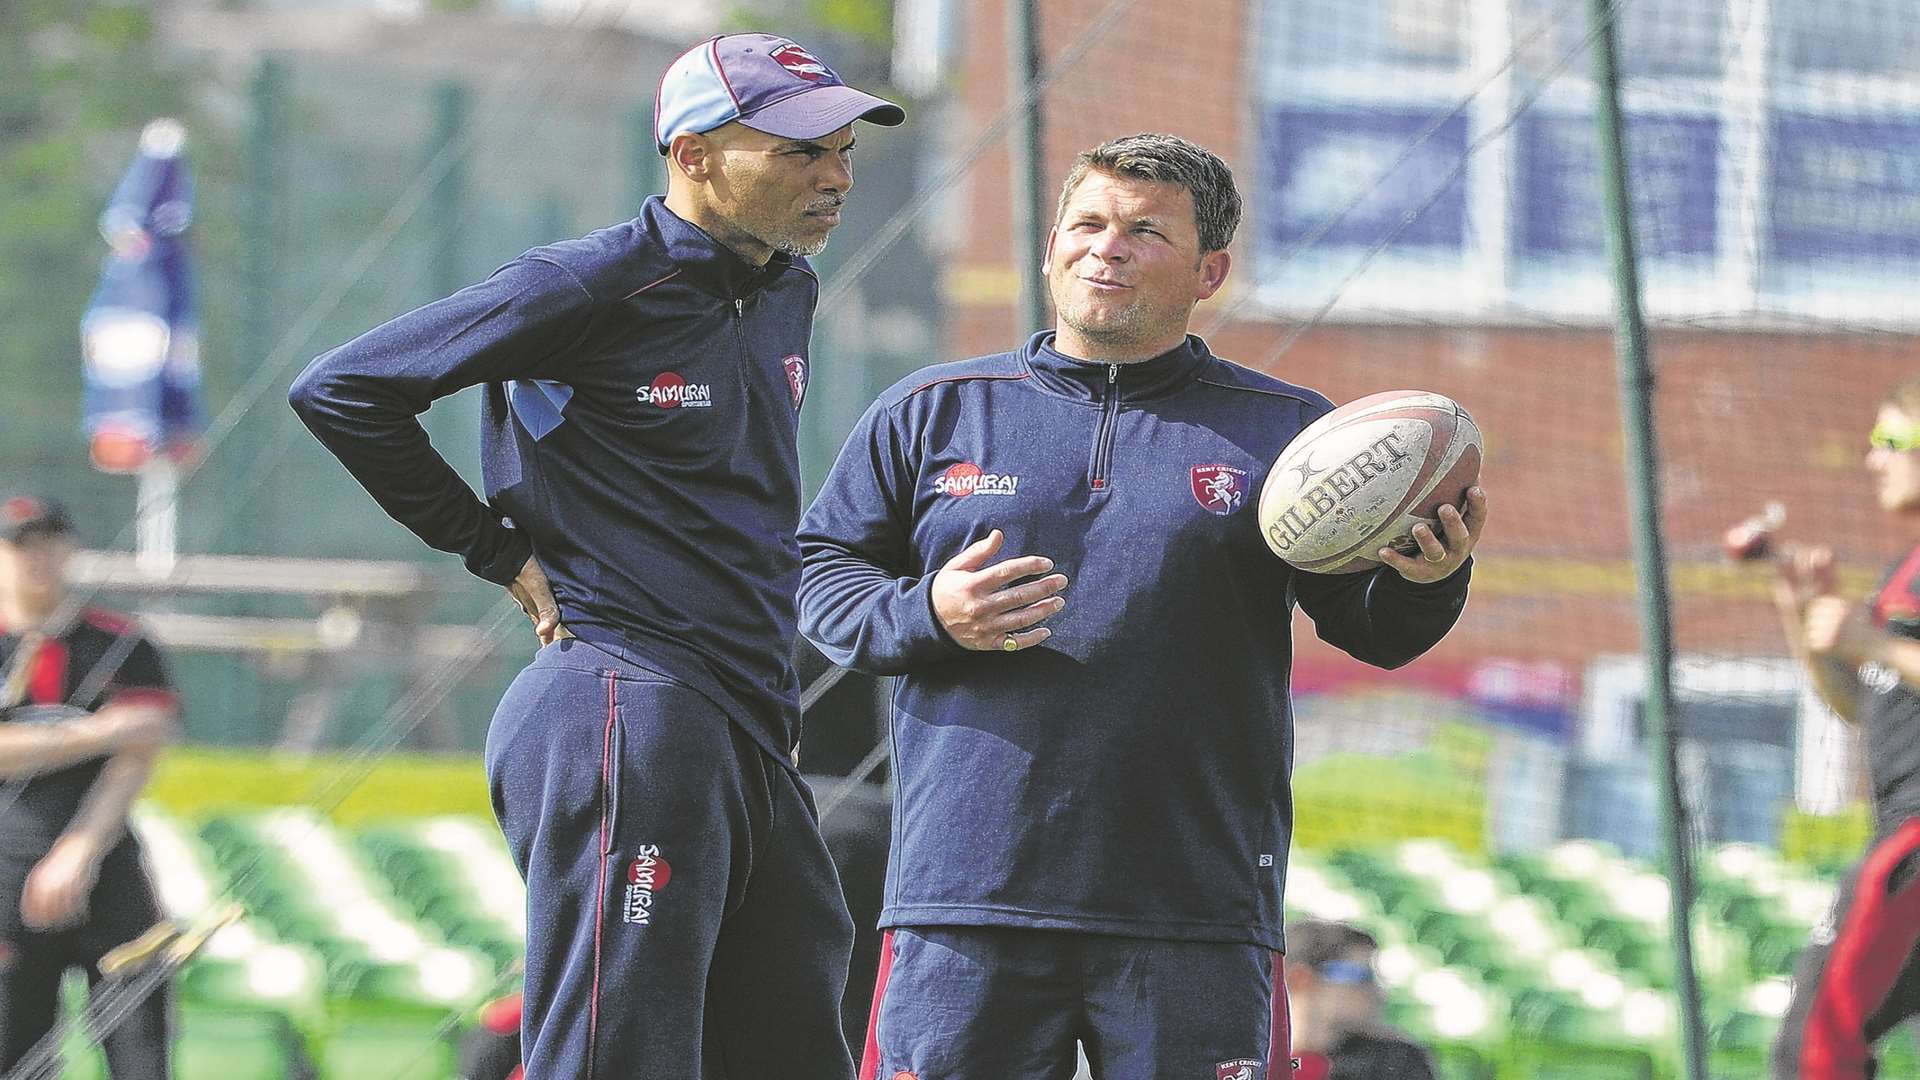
(1168, 159)
(1315, 942)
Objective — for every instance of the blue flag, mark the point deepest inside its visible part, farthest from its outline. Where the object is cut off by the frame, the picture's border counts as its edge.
(140, 335)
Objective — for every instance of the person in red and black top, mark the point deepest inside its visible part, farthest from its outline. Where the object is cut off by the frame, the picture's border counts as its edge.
(1860, 976)
(85, 707)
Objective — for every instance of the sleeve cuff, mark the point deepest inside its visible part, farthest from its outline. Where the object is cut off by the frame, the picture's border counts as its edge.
(510, 553)
(941, 645)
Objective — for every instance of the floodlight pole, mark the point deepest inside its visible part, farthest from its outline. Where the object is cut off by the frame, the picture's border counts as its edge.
(1027, 149)
(1643, 485)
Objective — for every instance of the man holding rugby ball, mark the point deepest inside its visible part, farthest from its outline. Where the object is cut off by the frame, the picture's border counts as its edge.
(1093, 812)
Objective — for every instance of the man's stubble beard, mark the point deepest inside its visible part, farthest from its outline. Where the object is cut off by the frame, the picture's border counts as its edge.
(780, 234)
(1129, 326)
(801, 247)
(780, 238)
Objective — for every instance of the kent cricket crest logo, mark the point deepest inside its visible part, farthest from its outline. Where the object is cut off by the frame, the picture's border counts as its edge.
(801, 62)
(646, 876)
(671, 390)
(796, 366)
(967, 479)
(1240, 1069)
(1220, 489)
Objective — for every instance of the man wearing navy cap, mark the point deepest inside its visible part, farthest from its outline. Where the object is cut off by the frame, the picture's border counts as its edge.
(644, 386)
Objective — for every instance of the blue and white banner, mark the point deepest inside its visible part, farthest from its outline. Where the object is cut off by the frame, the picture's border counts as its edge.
(1845, 187)
(1318, 159)
(1672, 160)
(140, 334)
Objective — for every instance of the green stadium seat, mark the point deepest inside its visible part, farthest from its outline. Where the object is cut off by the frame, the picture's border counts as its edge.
(1593, 860)
(455, 874)
(390, 1046)
(1736, 1065)
(394, 938)
(1363, 868)
(1386, 886)
(1526, 965)
(228, 1042)
(1448, 1005)
(441, 980)
(1560, 1016)
(1461, 940)
(1899, 1052)
(1745, 909)
(1742, 1030)
(1774, 948)
(1550, 1061)
(279, 978)
(1527, 869)
(1632, 945)
(237, 1044)
(1459, 1061)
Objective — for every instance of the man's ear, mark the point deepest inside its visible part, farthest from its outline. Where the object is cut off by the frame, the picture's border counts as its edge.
(692, 154)
(1213, 273)
(1046, 257)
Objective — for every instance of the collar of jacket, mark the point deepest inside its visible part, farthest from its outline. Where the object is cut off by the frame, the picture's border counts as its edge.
(1088, 380)
(704, 262)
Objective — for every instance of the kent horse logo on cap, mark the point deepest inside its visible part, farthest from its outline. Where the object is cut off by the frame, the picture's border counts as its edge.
(801, 62)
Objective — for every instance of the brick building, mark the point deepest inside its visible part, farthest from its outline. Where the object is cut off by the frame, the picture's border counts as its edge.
(1763, 393)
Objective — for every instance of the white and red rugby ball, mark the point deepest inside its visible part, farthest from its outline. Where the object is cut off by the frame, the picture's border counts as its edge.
(1359, 478)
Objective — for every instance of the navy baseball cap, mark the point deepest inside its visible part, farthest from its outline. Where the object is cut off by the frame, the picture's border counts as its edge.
(767, 83)
(24, 515)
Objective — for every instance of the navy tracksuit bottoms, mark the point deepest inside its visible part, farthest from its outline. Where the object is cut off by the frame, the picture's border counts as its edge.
(684, 921)
(1007, 1003)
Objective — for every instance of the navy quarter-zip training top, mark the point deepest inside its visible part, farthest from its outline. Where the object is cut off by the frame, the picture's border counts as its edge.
(1129, 775)
(639, 434)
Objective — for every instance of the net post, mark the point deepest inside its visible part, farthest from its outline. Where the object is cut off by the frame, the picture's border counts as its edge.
(1027, 148)
(1649, 555)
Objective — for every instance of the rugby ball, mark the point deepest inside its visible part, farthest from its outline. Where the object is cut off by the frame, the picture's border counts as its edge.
(1359, 478)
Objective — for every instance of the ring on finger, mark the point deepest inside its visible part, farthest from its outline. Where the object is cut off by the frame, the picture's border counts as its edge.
(1440, 558)
(1009, 644)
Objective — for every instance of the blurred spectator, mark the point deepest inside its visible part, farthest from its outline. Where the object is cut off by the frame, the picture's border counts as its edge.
(491, 1049)
(1338, 1033)
(86, 704)
(1859, 977)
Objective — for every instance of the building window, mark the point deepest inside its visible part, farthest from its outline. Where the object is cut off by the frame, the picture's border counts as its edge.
(1438, 156)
